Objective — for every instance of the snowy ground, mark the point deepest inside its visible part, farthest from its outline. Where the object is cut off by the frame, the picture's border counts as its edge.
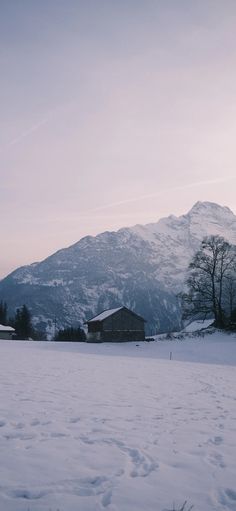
(118, 427)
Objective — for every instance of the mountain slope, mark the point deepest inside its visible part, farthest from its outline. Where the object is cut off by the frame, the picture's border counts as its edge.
(142, 267)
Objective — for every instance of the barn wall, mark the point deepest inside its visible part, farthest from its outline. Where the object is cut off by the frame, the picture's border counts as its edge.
(95, 326)
(123, 320)
(118, 336)
(94, 337)
(123, 336)
(6, 335)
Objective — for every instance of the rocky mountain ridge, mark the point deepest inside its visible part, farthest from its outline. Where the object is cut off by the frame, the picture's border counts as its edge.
(142, 267)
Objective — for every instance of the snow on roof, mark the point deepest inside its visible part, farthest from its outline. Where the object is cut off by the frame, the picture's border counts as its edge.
(199, 324)
(105, 314)
(4, 328)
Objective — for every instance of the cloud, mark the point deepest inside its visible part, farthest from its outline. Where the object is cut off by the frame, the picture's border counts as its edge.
(157, 194)
(35, 127)
(24, 134)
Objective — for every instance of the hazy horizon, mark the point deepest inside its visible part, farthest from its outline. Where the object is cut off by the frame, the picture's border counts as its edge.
(112, 113)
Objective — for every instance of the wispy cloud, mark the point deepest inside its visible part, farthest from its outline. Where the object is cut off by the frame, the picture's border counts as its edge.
(24, 134)
(37, 126)
(158, 194)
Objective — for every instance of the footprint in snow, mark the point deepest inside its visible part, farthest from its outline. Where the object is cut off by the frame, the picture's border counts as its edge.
(85, 439)
(216, 460)
(56, 434)
(143, 464)
(19, 436)
(18, 425)
(216, 440)
(227, 498)
(22, 493)
(35, 422)
(74, 420)
(231, 494)
(106, 499)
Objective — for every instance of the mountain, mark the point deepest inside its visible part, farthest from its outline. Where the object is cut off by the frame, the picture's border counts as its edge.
(142, 267)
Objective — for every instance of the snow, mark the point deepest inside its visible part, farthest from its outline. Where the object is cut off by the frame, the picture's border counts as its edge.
(118, 427)
(105, 314)
(197, 325)
(174, 240)
(104, 269)
(4, 328)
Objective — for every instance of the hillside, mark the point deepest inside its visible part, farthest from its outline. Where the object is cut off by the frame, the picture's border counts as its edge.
(142, 267)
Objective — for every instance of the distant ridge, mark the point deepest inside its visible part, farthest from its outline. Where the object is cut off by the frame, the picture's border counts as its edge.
(142, 267)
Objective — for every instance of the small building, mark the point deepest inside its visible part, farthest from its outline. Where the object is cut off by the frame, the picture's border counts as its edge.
(120, 324)
(6, 332)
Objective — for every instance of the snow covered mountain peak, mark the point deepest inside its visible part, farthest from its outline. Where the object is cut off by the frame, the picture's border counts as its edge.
(203, 219)
(206, 208)
(209, 218)
(142, 267)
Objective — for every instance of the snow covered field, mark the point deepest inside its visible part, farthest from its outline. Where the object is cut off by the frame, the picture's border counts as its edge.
(118, 427)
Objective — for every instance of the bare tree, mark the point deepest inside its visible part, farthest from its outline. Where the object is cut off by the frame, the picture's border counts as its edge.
(231, 294)
(211, 281)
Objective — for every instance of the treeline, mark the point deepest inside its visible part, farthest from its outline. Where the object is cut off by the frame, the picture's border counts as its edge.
(22, 323)
(70, 334)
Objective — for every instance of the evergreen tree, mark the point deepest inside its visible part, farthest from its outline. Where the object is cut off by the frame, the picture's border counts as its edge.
(23, 323)
(3, 313)
(70, 334)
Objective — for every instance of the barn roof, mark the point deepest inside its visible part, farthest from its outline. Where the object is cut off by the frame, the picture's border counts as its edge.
(105, 314)
(4, 328)
(109, 312)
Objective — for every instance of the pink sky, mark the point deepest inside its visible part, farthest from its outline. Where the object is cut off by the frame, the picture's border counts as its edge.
(112, 113)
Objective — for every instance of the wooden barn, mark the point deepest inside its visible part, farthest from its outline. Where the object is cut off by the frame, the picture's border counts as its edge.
(6, 332)
(116, 325)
